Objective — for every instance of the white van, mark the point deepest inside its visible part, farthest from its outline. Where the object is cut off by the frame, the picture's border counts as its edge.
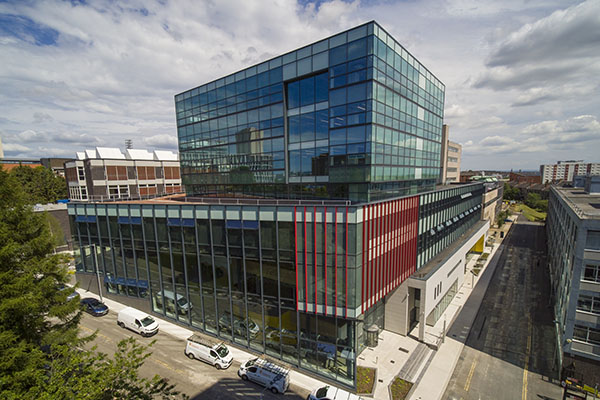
(183, 305)
(332, 393)
(210, 351)
(137, 321)
(266, 373)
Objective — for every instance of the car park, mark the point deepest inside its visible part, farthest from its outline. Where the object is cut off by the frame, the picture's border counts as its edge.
(94, 306)
(266, 373)
(208, 350)
(137, 321)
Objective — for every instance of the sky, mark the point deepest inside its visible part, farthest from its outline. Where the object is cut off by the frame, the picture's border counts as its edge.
(522, 76)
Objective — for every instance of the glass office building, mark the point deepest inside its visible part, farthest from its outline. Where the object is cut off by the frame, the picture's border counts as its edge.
(354, 116)
(332, 152)
(298, 282)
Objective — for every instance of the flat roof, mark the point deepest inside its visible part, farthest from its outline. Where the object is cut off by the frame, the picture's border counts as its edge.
(585, 205)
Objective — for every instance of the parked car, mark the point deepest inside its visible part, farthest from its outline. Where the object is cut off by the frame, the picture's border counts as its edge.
(266, 373)
(137, 321)
(208, 350)
(94, 306)
(332, 393)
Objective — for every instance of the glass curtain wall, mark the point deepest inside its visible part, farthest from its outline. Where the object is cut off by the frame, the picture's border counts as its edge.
(235, 279)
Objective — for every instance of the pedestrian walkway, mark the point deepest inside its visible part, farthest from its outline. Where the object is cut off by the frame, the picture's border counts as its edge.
(416, 362)
(182, 333)
(464, 308)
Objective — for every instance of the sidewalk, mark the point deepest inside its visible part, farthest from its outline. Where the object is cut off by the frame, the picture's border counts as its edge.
(463, 310)
(182, 333)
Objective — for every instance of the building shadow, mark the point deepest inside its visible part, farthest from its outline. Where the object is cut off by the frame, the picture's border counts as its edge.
(235, 388)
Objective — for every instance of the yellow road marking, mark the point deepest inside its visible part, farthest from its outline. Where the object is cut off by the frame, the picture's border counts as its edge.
(470, 376)
(164, 364)
(526, 366)
(97, 334)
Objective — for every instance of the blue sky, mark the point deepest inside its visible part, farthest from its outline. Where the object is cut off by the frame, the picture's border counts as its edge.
(522, 76)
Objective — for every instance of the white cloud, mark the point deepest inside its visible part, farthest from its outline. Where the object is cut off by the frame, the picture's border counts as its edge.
(508, 66)
(161, 141)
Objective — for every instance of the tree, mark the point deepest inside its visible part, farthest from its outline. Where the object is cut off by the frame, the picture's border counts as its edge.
(40, 184)
(41, 348)
(511, 193)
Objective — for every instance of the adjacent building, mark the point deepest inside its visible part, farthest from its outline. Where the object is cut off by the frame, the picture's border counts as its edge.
(567, 170)
(573, 230)
(451, 156)
(108, 174)
(310, 208)
(56, 165)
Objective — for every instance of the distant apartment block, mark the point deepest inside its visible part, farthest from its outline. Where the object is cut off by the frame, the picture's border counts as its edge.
(566, 170)
(573, 230)
(108, 174)
(451, 155)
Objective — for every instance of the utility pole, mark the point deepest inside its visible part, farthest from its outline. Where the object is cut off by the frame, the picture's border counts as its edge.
(128, 144)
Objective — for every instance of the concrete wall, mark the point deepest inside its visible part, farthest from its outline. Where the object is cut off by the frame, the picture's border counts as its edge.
(396, 310)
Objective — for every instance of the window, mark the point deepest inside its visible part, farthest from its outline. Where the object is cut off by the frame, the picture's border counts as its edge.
(81, 173)
(119, 191)
(592, 241)
(591, 273)
(589, 303)
(586, 334)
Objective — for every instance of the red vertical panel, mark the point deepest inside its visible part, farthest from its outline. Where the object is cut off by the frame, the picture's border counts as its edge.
(379, 238)
(346, 268)
(296, 254)
(414, 233)
(364, 250)
(403, 237)
(390, 282)
(315, 251)
(335, 259)
(396, 242)
(371, 235)
(376, 252)
(325, 252)
(389, 248)
(305, 267)
(384, 280)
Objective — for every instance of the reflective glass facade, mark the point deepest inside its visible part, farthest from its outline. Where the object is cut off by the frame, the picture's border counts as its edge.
(298, 282)
(354, 116)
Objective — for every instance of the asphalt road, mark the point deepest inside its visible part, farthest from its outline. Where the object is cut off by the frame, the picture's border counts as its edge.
(194, 378)
(509, 350)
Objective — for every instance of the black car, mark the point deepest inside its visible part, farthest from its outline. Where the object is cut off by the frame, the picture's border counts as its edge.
(94, 307)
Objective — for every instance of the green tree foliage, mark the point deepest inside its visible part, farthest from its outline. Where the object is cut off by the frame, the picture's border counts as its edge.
(41, 349)
(535, 201)
(511, 193)
(40, 184)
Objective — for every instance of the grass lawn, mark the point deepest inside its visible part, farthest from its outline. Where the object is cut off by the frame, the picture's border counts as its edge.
(531, 214)
(400, 389)
(365, 380)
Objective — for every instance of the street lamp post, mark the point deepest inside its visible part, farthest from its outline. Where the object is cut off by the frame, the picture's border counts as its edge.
(97, 271)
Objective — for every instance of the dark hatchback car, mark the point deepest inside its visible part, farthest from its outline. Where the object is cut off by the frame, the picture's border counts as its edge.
(94, 307)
